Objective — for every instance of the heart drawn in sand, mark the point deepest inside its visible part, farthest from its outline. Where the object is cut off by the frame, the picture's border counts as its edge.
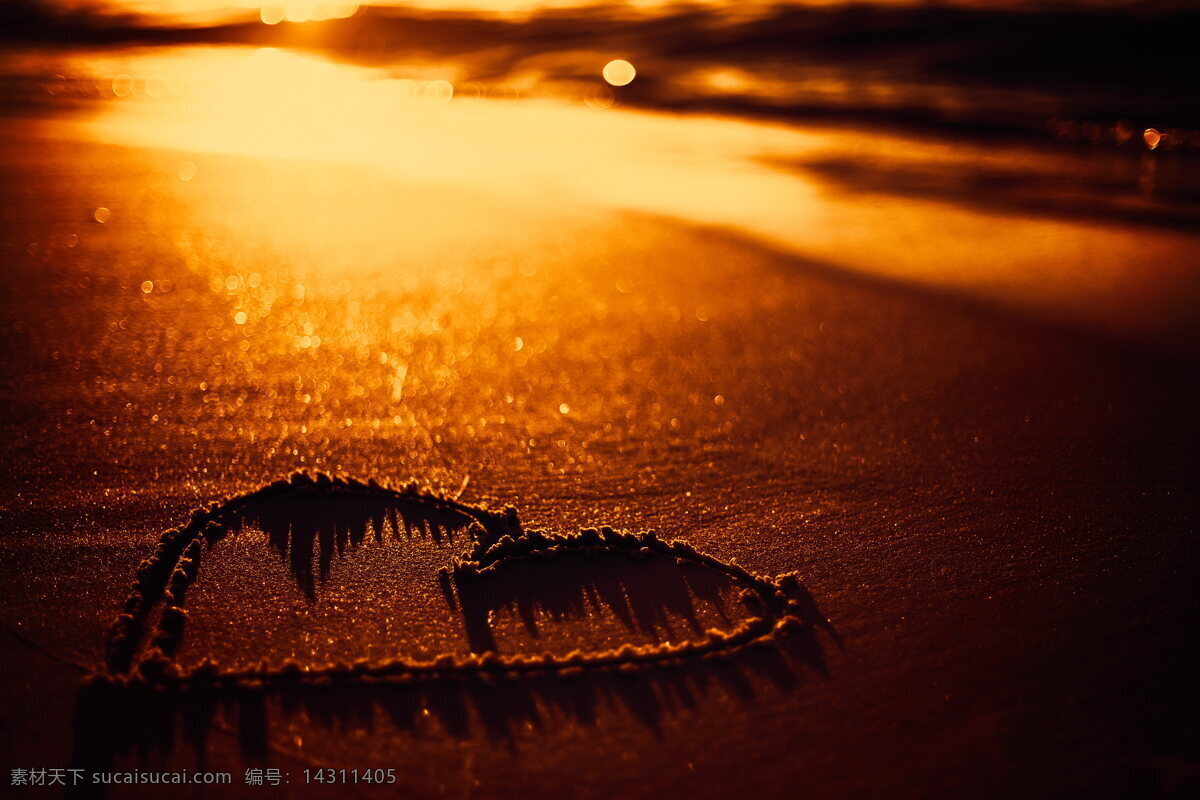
(142, 651)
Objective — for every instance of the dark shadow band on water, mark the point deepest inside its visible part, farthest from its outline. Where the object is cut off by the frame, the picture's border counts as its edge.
(1124, 187)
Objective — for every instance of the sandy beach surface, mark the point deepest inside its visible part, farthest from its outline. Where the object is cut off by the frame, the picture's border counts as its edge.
(970, 429)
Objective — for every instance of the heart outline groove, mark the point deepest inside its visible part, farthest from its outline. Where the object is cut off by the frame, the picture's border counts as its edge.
(776, 606)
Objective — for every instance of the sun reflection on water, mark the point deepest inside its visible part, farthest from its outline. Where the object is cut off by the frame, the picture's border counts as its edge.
(306, 11)
(783, 185)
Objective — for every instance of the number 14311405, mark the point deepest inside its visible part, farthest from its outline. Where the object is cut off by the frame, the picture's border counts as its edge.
(331, 775)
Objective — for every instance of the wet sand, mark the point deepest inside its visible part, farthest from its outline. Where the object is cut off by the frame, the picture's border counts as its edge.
(996, 514)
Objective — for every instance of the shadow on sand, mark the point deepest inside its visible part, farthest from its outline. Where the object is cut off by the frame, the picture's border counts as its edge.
(654, 599)
(114, 725)
(309, 531)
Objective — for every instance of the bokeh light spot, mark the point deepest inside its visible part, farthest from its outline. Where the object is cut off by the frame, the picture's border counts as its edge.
(438, 91)
(122, 85)
(619, 72)
(599, 96)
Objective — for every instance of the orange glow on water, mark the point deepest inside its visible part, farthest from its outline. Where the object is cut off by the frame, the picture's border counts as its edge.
(588, 153)
(306, 11)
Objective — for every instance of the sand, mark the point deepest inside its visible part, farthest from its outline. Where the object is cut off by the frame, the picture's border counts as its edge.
(995, 514)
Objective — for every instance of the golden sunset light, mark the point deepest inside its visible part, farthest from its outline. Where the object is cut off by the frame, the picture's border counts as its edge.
(522, 399)
(302, 11)
(619, 72)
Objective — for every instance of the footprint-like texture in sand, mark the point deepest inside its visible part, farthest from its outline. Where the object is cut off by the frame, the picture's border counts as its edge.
(321, 555)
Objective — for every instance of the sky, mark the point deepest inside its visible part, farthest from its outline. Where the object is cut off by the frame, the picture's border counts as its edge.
(223, 10)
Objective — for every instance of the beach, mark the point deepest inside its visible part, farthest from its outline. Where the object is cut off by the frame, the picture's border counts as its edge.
(968, 428)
